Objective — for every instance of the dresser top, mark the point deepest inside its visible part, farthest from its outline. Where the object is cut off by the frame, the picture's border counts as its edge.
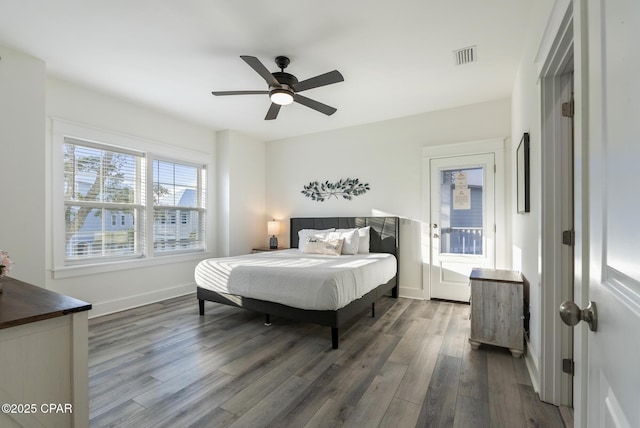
(22, 303)
(496, 275)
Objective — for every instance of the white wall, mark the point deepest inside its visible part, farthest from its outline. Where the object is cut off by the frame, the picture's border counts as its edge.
(22, 164)
(113, 291)
(387, 155)
(241, 194)
(525, 117)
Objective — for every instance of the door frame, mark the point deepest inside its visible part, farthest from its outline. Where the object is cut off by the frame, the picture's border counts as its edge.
(501, 201)
(564, 42)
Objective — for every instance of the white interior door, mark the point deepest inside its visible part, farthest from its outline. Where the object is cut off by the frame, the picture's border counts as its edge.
(613, 385)
(462, 204)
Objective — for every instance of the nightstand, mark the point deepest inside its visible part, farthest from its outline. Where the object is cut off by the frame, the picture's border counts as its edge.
(265, 249)
(497, 309)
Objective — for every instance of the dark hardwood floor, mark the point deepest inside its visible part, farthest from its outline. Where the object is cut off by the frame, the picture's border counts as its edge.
(163, 365)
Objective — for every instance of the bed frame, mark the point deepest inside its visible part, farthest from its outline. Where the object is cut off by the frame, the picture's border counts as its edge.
(384, 238)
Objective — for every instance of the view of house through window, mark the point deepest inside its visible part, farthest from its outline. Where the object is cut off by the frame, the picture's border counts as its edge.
(461, 211)
(177, 206)
(102, 189)
(107, 203)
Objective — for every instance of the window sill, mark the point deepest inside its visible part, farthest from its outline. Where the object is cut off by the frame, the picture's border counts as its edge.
(99, 268)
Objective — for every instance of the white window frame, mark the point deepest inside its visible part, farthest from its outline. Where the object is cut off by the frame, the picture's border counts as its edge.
(60, 129)
(138, 205)
(176, 218)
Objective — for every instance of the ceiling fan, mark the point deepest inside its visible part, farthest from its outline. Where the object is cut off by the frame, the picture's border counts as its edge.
(284, 87)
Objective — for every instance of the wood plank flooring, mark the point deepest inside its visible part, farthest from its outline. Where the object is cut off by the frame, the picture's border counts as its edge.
(163, 365)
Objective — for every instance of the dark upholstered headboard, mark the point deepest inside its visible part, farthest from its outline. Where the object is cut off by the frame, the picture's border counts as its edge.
(384, 236)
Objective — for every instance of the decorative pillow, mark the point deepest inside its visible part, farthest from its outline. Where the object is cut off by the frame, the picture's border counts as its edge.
(330, 247)
(351, 239)
(363, 245)
(303, 234)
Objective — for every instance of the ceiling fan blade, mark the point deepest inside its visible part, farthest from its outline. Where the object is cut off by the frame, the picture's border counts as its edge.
(322, 108)
(321, 80)
(273, 111)
(260, 69)
(218, 93)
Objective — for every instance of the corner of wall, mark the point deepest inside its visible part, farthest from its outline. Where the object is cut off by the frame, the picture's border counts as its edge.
(241, 192)
(23, 164)
(222, 193)
(531, 360)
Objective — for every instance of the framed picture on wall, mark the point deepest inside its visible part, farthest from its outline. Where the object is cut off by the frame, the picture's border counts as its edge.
(522, 156)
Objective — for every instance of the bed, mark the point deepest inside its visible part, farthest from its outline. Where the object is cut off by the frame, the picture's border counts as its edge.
(246, 286)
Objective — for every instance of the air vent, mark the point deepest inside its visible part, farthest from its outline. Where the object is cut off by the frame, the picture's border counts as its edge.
(465, 55)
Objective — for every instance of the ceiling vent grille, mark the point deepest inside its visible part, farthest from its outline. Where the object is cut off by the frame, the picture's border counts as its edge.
(465, 55)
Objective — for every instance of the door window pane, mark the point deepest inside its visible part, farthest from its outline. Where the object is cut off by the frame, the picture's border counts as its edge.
(462, 211)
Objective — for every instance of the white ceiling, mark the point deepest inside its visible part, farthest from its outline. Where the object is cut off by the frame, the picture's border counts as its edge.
(396, 57)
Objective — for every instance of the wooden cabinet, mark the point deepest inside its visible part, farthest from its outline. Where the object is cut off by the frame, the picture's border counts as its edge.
(43, 358)
(497, 309)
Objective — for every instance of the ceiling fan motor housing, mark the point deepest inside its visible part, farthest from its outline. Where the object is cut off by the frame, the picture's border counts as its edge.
(285, 78)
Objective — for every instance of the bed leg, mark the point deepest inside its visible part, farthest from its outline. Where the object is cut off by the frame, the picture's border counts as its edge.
(267, 319)
(373, 310)
(201, 305)
(394, 292)
(335, 337)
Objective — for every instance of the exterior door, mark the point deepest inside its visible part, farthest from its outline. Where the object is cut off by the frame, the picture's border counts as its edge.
(462, 199)
(613, 357)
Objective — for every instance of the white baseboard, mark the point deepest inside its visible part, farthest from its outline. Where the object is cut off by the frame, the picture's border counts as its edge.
(129, 302)
(411, 293)
(531, 360)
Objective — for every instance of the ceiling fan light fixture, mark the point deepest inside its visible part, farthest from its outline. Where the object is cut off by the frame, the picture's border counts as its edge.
(281, 96)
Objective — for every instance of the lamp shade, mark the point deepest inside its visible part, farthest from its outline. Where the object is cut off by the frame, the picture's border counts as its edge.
(273, 227)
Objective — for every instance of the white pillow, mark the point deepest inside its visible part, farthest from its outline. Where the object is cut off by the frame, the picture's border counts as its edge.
(330, 247)
(363, 245)
(351, 239)
(303, 234)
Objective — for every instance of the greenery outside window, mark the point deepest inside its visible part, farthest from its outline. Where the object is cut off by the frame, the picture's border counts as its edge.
(102, 183)
(119, 204)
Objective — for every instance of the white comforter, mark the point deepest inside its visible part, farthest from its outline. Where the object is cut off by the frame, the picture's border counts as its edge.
(292, 278)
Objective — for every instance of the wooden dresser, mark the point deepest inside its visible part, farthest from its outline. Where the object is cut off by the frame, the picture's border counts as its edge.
(44, 368)
(497, 309)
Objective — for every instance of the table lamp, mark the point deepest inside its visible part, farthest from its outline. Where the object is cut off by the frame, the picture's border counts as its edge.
(273, 228)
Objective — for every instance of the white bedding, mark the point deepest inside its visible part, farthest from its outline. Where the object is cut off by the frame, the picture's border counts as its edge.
(289, 277)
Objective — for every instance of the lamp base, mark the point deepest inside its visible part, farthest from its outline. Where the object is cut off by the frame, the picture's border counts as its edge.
(273, 242)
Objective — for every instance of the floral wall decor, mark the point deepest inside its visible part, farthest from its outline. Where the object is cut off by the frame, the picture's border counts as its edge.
(345, 188)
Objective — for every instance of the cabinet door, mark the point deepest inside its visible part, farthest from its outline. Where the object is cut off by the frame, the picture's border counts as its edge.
(496, 316)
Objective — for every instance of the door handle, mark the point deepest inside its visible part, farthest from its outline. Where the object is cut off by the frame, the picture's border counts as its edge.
(571, 314)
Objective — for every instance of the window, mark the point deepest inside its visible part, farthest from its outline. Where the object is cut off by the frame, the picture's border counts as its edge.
(100, 184)
(178, 192)
(124, 204)
(462, 210)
